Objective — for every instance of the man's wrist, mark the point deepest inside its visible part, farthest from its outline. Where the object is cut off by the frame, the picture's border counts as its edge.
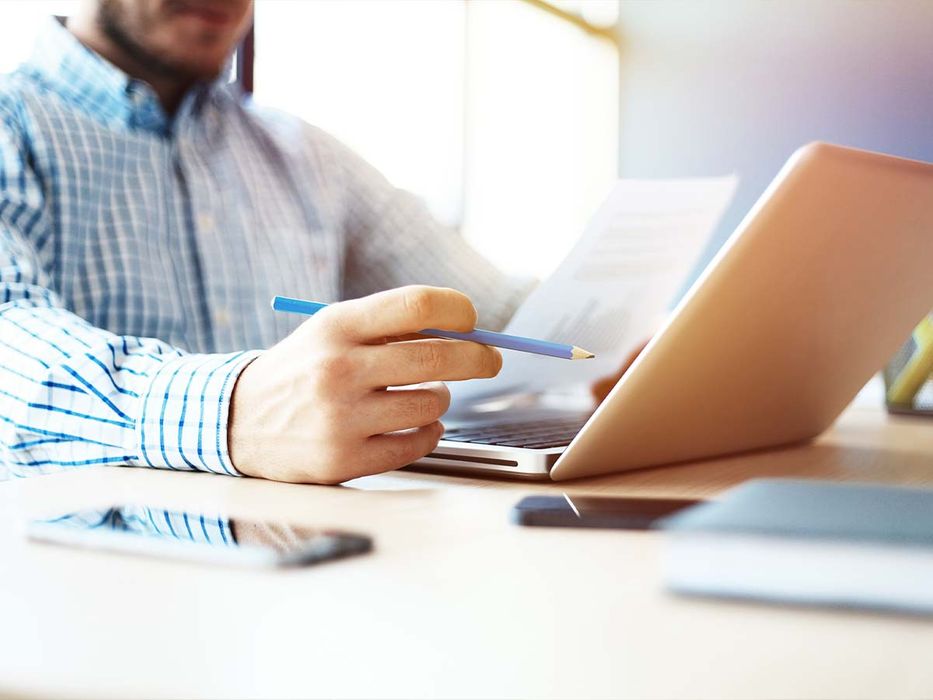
(237, 443)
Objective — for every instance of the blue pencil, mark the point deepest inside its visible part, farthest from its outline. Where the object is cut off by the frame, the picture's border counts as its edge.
(499, 340)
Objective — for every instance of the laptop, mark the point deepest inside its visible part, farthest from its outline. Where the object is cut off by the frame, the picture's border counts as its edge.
(811, 295)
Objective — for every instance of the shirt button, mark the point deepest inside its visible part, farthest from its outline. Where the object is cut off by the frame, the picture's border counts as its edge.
(222, 317)
(205, 222)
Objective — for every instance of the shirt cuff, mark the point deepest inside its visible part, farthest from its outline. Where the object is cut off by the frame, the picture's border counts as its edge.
(183, 414)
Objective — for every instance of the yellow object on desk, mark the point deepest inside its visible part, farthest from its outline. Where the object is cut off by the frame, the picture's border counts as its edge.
(911, 378)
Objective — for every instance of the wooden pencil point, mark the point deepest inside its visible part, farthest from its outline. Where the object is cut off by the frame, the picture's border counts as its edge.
(580, 354)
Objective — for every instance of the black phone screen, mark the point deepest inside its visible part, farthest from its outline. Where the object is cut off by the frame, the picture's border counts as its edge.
(596, 511)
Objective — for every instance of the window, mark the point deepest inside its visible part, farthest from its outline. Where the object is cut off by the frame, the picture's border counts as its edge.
(385, 76)
(501, 114)
(20, 21)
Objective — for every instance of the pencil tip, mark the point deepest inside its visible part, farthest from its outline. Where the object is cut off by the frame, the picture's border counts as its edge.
(581, 354)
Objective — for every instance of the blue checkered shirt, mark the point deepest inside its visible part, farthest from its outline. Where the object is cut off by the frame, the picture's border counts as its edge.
(139, 252)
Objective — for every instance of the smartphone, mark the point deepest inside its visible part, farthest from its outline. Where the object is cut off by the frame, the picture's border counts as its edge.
(197, 537)
(596, 511)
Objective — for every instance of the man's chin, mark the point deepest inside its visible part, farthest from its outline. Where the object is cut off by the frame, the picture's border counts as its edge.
(190, 70)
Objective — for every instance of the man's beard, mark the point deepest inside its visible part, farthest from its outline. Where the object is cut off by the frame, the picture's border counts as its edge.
(111, 20)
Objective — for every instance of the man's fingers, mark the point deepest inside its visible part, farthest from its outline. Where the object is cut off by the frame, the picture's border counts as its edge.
(427, 360)
(401, 409)
(395, 450)
(383, 453)
(601, 388)
(398, 312)
(407, 336)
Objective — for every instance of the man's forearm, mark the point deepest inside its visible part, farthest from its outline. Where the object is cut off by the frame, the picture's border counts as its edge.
(72, 395)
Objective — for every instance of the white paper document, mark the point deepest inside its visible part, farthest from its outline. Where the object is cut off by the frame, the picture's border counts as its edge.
(615, 286)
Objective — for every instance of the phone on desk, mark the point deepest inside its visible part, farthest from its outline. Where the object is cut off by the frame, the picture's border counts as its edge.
(596, 511)
(197, 537)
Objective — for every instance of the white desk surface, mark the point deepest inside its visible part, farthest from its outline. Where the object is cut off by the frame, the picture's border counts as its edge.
(454, 602)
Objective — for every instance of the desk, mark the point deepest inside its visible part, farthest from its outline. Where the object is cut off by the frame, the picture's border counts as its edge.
(455, 601)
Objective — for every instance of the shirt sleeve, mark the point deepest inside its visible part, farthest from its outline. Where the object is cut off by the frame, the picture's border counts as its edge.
(393, 240)
(73, 395)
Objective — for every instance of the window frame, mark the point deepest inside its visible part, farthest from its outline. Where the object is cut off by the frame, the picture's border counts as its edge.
(246, 51)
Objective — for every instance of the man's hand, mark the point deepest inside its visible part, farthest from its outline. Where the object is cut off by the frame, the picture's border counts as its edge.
(601, 388)
(315, 407)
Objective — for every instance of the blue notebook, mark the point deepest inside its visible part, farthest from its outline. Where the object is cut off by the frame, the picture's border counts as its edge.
(811, 542)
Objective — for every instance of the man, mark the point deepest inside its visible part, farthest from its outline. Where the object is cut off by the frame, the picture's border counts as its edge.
(147, 216)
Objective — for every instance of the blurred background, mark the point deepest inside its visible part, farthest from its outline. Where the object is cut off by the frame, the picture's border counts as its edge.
(511, 118)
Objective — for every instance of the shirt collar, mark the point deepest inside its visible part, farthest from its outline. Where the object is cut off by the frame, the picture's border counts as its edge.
(76, 72)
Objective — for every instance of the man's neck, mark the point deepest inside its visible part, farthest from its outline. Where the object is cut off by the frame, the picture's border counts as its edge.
(169, 90)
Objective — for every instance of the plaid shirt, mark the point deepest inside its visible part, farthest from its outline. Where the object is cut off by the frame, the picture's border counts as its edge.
(139, 252)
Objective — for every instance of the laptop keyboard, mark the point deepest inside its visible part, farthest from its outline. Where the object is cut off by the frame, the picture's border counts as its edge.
(537, 434)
